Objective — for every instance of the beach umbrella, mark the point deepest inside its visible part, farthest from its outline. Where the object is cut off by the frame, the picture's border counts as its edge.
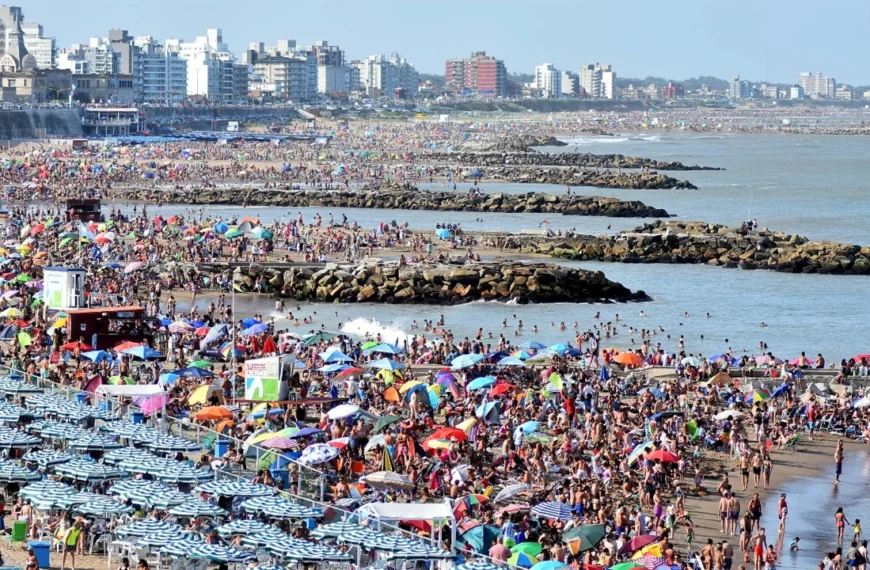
(63, 430)
(318, 453)
(552, 510)
(194, 372)
(243, 527)
(511, 491)
(305, 432)
(255, 329)
(213, 413)
(194, 508)
(663, 456)
(13, 439)
(628, 359)
(478, 564)
(88, 471)
(691, 361)
(94, 442)
(481, 537)
(465, 361)
(387, 480)
(522, 560)
(234, 488)
(97, 356)
(488, 411)
(280, 443)
(638, 542)
(511, 361)
(11, 472)
(336, 529)
(639, 450)
(130, 268)
(480, 383)
(728, 415)
(530, 548)
(756, 396)
(342, 411)
(214, 334)
(146, 528)
(390, 543)
(386, 364)
(103, 507)
(169, 536)
(630, 565)
(549, 565)
(278, 508)
(358, 536)
(334, 356)
(779, 391)
(44, 458)
(217, 553)
(271, 536)
(143, 353)
(589, 535)
(386, 421)
(386, 348)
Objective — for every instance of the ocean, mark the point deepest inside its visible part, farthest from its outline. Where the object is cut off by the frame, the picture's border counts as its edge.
(812, 185)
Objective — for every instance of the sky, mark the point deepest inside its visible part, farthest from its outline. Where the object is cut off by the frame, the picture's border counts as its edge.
(761, 40)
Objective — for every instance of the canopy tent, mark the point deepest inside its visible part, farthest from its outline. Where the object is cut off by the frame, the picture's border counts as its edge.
(432, 513)
(114, 393)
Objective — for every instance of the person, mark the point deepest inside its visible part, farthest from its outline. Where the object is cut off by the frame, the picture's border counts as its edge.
(70, 544)
(838, 459)
(783, 512)
(125, 564)
(795, 544)
(143, 564)
(499, 552)
(857, 530)
(840, 520)
(852, 555)
(31, 563)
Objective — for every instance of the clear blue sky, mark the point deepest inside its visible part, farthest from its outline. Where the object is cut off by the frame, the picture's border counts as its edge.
(758, 39)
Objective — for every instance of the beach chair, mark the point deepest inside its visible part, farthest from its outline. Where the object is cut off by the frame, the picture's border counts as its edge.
(792, 443)
(18, 534)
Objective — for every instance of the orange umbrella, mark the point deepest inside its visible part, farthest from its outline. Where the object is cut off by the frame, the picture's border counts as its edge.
(628, 358)
(213, 413)
(392, 395)
(449, 432)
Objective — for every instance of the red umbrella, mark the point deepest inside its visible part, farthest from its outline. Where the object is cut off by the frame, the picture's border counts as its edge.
(269, 346)
(663, 456)
(449, 433)
(126, 344)
(637, 543)
(860, 357)
(353, 371)
(501, 389)
(201, 331)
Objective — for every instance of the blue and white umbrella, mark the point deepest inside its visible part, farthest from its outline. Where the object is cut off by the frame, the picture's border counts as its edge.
(47, 457)
(552, 510)
(385, 348)
(465, 361)
(69, 501)
(197, 508)
(94, 442)
(146, 527)
(331, 357)
(511, 491)
(88, 471)
(126, 488)
(181, 547)
(386, 364)
(166, 536)
(131, 430)
(18, 439)
(318, 453)
(390, 543)
(11, 472)
(152, 464)
(336, 529)
(169, 443)
(185, 474)
(271, 536)
(13, 387)
(117, 456)
(243, 527)
(234, 488)
(216, 553)
(360, 536)
(47, 488)
(279, 508)
(103, 507)
(12, 413)
(478, 565)
(421, 551)
(63, 430)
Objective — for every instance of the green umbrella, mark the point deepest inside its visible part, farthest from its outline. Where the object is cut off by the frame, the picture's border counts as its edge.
(35, 303)
(233, 233)
(116, 380)
(23, 278)
(266, 461)
(630, 565)
(64, 241)
(530, 548)
(319, 337)
(201, 363)
(369, 344)
(24, 339)
(386, 421)
(588, 534)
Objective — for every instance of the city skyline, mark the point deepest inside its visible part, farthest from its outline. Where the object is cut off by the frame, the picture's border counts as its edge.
(760, 42)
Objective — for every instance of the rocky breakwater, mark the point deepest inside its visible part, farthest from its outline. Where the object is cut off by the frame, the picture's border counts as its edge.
(712, 244)
(411, 198)
(565, 159)
(438, 284)
(524, 143)
(579, 177)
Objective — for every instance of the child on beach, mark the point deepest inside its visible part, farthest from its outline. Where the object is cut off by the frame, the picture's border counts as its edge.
(794, 545)
(857, 530)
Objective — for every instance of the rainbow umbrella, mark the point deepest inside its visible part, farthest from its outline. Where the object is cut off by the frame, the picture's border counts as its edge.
(229, 351)
(756, 396)
(522, 560)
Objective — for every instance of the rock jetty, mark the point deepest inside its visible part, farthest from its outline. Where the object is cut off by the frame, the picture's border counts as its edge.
(411, 198)
(579, 177)
(524, 143)
(587, 160)
(711, 244)
(437, 284)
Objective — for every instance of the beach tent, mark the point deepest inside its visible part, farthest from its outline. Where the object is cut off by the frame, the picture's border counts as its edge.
(433, 513)
(113, 393)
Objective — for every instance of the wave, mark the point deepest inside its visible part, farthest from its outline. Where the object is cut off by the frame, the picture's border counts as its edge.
(647, 138)
(579, 141)
(513, 302)
(370, 328)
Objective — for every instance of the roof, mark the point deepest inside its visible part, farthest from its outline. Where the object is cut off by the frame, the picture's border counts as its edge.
(64, 269)
(98, 310)
(400, 511)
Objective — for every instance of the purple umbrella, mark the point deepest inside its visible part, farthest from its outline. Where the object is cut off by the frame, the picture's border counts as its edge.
(306, 432)
(280, 443)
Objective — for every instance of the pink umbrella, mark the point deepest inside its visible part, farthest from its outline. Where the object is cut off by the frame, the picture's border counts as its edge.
(93, 384)
(796, 362)
(280, 443)
(154, 404)
(133, 266)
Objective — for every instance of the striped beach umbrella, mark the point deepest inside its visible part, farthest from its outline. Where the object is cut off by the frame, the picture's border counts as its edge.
(125, 488)
(11, 472)
(47, 457)
(216, 553)
(234, 488)
(150, 465)
(478, 565)
(169, 443)
(116, 456)
(390, 543)
(756, 396)
(336, 529)
(243, 527)
(14, 387)
(276, 507)
(13, 413)
(181, 547)
(318, 453)
(193, 508)
(388, 480)
(511, 491)
(63, 430)
(552, 510)
(181, 473)
(88, 471)
(103, 507)
(94, 442)
(280, 443)
(17, 439)
(166, 536)
(131, 430)
(422, 551)
(260, 539)
(307, 552)
(146, 527)
(46, 488)
(69, 501)
(358, 536)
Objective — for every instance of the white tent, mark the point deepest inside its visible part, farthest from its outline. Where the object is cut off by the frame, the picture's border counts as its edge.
(114, 393)
(394, 512)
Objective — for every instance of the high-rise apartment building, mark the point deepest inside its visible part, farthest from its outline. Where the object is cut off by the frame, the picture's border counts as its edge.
(817, 86)
(43, 49)
(570, 84)
(380, 76)
(479, 74)
(549, 80)
(739, 88)
(162, 74)
(597, 81)
(212, 71)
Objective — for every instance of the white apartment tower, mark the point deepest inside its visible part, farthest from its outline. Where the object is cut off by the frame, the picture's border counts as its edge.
(817, 86)
(598, 81)
(549, 80)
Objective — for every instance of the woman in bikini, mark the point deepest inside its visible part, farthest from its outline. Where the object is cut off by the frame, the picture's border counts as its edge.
(840, 519)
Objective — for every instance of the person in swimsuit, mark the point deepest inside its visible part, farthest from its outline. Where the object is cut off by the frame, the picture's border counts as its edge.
(755, 512)
(756, 469)
(723, 513)
(838, 459)
(744, 471)
(783, 512)
(758, 549)
(733, 515)
(840, 519)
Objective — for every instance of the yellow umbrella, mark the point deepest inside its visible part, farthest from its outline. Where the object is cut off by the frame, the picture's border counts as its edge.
(435, 388)
(466, 425)
(439, 444)
(654, 549)
(12, 312)
(265, 436)
(59, 323)
(408, 385)
(200, 395)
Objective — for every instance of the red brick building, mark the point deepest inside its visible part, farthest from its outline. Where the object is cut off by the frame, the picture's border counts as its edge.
(479, 74)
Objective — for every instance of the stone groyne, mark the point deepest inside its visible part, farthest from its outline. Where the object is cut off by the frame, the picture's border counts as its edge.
(435, 284)
(565, 159)
(411, 198)
(574, 176)
(711, 244)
